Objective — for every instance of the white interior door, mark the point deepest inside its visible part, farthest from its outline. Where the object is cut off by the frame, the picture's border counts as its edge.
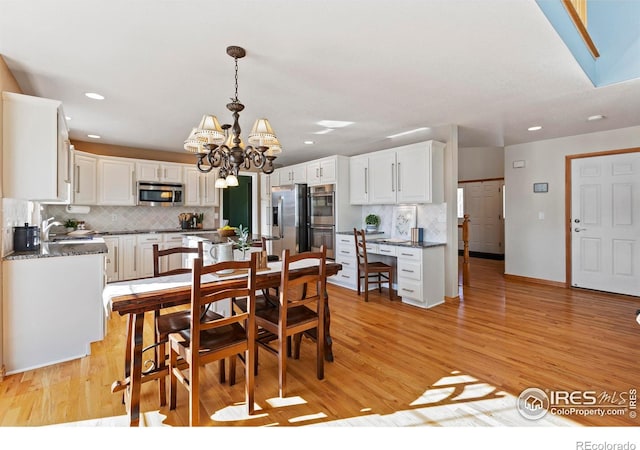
(605, 223)
(483, 203)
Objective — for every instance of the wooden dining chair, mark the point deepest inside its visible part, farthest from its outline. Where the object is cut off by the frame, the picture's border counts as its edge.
(373, 272)
(301, 307)
(208, 340)
(171, 322)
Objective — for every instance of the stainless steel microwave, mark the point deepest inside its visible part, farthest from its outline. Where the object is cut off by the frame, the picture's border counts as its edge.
(160, 194)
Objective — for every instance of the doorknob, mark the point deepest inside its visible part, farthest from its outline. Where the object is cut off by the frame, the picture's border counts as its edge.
(578, 230)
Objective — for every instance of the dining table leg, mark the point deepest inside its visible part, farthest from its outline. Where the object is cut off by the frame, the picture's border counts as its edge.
(328, 342)
(136, 323)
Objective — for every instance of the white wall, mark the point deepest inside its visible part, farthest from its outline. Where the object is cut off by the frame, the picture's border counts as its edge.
(534, 223)
(480, 163)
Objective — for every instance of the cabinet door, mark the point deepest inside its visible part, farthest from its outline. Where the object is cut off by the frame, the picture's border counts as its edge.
(171, 173)
(265, 217)
(147, 171)
(112, 264)
(85, 169)
(171, 262)
(299, 173)
(116, 182)
(414, 173)
(209, 196)
(313, 173)
(328, 172)
(359, 180)
(382, 177)
(127, 259)
(265, 187)
(191, 186)
(276, 177)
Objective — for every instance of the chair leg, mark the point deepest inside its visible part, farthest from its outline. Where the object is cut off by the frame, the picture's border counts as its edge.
(297, 340)
(222, 371)
(380, 282)
(366, 287)
(194, 395)
(390, 286)
(282, 366)
(232, 369)
(161, 358)
(358, 283)
(249, 380)
(320, 352)
(173, 381)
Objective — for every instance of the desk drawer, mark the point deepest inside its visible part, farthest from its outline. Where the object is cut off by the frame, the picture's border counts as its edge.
(346, 277)
(345, 251)
(343, 239)
(149, 238)
(388, 250)
(347, 262)
(409, 270)
(410, 289)
(373, 248)
(409, 254)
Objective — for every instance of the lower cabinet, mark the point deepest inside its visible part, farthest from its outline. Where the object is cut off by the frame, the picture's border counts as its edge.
(346, 255)
(52, 310)
(421, 275)
(131, 255)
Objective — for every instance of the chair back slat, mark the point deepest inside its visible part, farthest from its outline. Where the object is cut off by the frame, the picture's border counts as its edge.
(158, 256)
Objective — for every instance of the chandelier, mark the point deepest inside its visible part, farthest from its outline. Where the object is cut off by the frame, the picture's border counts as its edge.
(221, 147)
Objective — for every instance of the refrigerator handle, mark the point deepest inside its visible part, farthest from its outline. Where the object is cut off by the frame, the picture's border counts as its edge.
(280, 224)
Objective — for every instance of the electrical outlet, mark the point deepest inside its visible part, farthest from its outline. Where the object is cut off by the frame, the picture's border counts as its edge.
(114, 217)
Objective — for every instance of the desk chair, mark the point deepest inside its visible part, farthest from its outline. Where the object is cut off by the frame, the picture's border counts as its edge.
(381, 272)
(301, 307)
(171, 322)
(214, 339)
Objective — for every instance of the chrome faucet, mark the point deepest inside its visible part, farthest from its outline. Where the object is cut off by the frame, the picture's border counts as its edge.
(46, 227)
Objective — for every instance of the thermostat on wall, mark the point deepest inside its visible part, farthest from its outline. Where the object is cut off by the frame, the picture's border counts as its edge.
(540, 187)
(519, 164)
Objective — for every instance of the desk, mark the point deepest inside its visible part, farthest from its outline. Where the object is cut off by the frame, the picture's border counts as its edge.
(135, 297)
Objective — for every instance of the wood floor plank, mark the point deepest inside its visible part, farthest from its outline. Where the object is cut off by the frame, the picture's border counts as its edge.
(461, 363)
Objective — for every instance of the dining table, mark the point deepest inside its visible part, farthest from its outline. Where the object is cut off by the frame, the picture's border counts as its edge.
(134, 298)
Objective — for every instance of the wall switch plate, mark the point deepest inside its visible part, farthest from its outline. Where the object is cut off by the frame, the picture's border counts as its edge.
(519, 164)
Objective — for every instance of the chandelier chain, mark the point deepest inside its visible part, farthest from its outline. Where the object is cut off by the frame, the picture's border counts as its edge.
(236, 99)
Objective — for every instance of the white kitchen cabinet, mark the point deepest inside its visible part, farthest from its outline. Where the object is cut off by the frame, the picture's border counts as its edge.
(116, 183)
(112, 266)
(265, 187)
(359, 180)
(158, 172)
(200, 188)
(35, 148)
(175, 261)
(265, 217)
(382, 177)
(144, 253)
(346, 255)
(421, 275)
(290, 175)
(85, 171)
(52, 310)
(409, 174)
(127, 258)
(322, 171)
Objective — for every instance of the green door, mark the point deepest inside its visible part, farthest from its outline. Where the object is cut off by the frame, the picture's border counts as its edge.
(236, 203)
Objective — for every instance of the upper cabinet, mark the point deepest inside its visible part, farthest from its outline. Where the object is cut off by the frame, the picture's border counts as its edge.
(200, 187)
(161, 172)
(116, 183)
(322, 171)
(35, 148)
(85, 188)
(409, 174)
(289, 175)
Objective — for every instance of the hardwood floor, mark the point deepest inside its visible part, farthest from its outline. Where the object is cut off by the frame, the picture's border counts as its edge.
(461, 363)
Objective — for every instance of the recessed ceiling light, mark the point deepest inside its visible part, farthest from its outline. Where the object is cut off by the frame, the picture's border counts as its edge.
(536, 128)
(308, 142)
(93, 136)
(94, 96)
(596, 117)
(334, 123)
(325, 131)
(404, 133)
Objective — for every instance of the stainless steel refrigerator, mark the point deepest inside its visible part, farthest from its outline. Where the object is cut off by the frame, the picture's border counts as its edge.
(289, 224)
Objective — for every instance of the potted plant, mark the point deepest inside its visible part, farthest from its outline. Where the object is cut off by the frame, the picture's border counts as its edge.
(243, 243)
(372, 221)
(71, 224)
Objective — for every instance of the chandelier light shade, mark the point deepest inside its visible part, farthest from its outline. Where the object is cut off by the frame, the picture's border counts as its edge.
(221, 146)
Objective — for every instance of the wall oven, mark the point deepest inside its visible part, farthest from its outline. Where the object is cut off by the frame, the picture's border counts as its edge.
(322, 219)
(160, 194)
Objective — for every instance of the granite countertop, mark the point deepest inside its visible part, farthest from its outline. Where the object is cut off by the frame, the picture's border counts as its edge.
(382, 239)
(215, 238)
(151, 231)
(51, 250)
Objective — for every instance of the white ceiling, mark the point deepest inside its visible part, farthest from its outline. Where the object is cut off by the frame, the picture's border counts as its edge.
(492, 67)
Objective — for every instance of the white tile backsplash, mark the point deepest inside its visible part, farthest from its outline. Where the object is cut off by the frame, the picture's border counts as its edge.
(15, 213)
(122, 218)
(431, 217)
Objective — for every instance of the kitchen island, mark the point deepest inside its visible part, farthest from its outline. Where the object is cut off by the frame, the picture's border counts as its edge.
(52, 308)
